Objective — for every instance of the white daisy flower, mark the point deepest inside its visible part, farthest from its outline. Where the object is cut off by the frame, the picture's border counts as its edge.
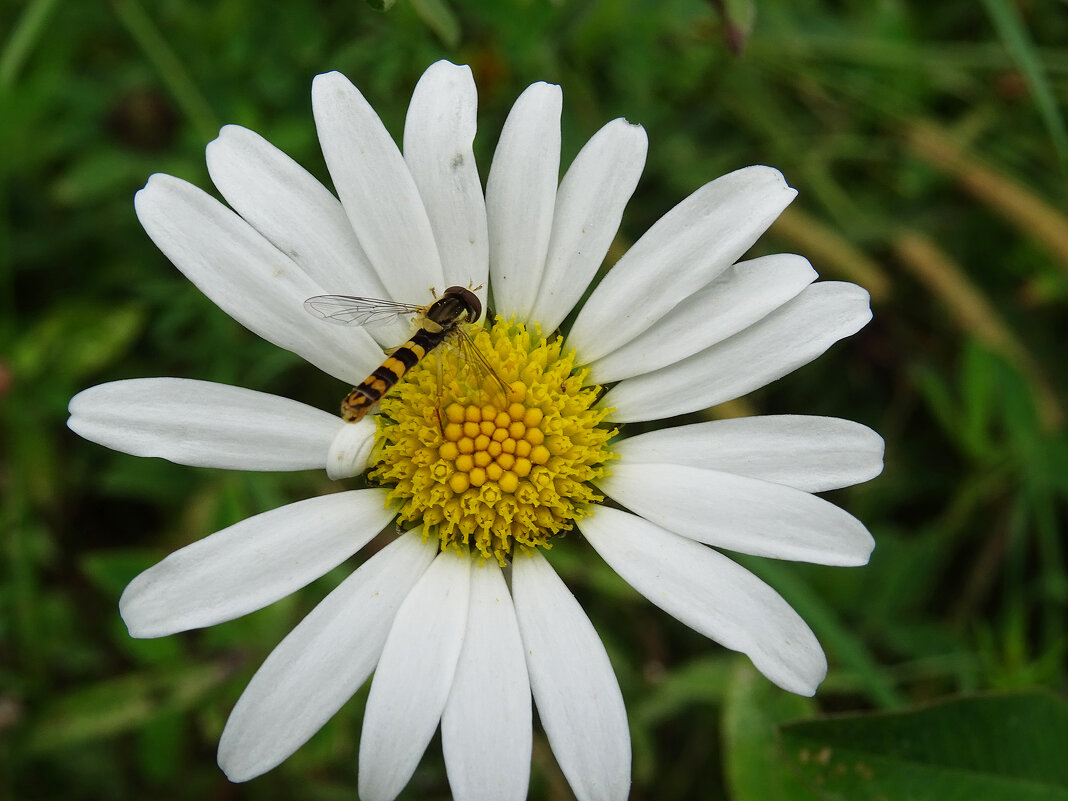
(461, 619)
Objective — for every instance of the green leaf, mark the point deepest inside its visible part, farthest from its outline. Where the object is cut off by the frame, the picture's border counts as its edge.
(110, 571)
(935, 390)
(440, 18)
(699, 681)
(159, 747)
(113, 706)
(171, 65)
(1013, 33)
(979, 383)
(754, 765)
(25, 35)
(992, 747)
(381, 5)
(75, 340)
(838, 637)
(98, 178)
(738, 17)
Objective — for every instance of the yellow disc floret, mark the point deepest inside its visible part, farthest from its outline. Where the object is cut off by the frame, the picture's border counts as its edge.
(487, 467)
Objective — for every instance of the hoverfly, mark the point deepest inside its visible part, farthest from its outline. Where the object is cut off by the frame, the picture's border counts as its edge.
(441, 320)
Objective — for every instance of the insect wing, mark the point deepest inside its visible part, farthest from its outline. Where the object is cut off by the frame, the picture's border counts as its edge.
(478, 362)
(352, 310)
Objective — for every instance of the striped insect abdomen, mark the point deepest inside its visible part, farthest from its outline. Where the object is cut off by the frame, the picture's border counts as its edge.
(358, 402)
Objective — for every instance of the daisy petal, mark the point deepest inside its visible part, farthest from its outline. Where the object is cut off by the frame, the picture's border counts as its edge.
(413, 677)
(297, 214)
(248, 277)
(743, 294)
(575, 690)
(521, 196)
(323, 661)
(814, 454)
(712, 595)
(791, 336)
(740, 514)
(350, 449)
(252, 563)
(204, 424)
(438, 134)
(378, 192)
(685, 250)
(589, 206)
(286, 204)
(486, 725)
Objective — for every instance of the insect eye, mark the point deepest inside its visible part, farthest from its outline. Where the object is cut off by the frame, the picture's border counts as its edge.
(474, 305)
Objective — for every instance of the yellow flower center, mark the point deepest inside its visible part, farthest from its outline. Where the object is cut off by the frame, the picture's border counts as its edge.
(484, 472)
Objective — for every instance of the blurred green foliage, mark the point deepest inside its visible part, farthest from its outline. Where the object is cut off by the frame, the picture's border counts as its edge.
(927, 142)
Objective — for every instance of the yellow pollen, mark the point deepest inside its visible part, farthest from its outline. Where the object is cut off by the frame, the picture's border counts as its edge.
(488, 468)
(509, 482)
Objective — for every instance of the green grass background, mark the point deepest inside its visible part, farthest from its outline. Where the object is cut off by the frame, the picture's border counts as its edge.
(927, 141)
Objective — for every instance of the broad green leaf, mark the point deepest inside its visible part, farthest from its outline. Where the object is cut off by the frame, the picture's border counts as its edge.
(753, 760)
(976, 748)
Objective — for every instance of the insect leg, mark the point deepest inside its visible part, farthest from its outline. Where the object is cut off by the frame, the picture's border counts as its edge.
(441, 395)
